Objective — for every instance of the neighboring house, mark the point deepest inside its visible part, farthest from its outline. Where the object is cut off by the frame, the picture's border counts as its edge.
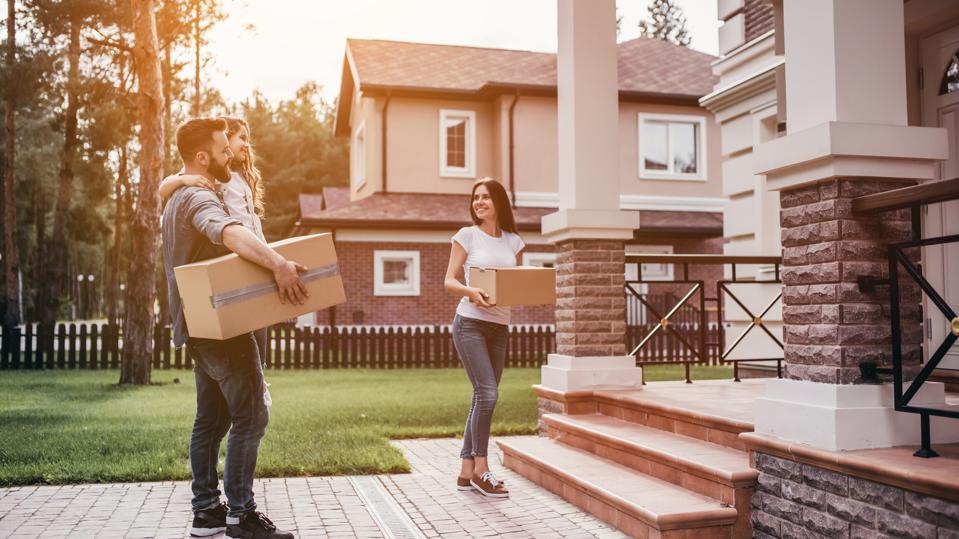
(426, 121)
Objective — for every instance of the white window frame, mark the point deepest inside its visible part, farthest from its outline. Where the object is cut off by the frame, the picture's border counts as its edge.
(383, 289)
(358, 152)
(469, 171)
(661, 272)
(537, 259)
(668, 174)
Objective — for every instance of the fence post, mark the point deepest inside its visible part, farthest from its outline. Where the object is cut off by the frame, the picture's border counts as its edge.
(83, 363)
(72, 352)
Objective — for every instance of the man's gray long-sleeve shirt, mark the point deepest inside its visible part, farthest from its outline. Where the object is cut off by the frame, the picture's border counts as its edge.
(193, 223)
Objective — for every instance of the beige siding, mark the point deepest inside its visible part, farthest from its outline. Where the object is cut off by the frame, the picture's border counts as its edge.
(414, 145)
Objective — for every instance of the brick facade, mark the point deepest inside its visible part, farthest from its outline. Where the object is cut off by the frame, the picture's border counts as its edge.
(590, 304)
(432, 306)
(801, 500)
(832, 326)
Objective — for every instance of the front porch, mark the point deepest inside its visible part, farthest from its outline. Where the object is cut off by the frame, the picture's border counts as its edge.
(682, 460)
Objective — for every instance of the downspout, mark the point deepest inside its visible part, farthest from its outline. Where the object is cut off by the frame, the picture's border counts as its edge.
(386, 108)
(512, 181)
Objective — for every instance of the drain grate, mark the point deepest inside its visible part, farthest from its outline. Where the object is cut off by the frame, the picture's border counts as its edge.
(389, 516)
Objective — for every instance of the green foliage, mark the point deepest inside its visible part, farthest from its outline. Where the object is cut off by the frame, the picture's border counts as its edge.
(296, 152)
(293, 138)
(666, 21)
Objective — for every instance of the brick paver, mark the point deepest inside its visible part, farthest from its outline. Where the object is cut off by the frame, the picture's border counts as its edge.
(312, 506)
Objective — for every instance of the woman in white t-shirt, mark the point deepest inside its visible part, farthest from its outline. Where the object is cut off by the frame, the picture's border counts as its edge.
(480, 330)
(242, 195)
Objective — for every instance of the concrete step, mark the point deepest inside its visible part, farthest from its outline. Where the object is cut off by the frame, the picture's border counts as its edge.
(716, 471)
(709, 418)
(637, 504)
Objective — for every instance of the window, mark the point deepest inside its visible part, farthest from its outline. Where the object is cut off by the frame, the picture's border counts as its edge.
(396, 273)
(457, 143)
(539, 260)
(671, 147)
(651, 272)
(359, 156)
(950, 81)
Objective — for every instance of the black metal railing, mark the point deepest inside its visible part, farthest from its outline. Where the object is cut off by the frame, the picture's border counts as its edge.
(690, 329)
(903, 255)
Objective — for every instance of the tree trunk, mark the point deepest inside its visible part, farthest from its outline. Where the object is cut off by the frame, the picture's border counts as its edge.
(55, 273)
(10, 304)
(139, 326)
(40, 259)
(113, 284)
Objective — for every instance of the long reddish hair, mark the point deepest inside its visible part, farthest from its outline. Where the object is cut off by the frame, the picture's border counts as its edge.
(249, 170)
(504, 212)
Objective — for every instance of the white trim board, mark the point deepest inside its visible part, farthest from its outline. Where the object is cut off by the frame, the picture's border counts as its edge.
(632, 202)
(416, 236)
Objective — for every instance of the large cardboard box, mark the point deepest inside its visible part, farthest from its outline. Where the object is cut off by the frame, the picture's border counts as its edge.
(227, 296)
(521, 285)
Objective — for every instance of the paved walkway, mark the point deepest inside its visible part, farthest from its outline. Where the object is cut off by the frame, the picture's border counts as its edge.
(424, 503)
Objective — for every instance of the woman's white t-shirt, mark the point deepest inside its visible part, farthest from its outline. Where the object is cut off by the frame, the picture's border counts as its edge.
(238, 197)
(485, 251)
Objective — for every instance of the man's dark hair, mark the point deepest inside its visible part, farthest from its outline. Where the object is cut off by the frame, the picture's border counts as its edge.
(196, 135)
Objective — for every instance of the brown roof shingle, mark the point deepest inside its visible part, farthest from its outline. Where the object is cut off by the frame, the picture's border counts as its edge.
(649, 66)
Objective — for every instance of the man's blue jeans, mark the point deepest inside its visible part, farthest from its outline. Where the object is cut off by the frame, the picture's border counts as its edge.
(481, 346)
(229, 397)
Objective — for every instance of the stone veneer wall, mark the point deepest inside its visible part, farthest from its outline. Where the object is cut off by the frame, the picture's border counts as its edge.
(800, 500)
(830, 325)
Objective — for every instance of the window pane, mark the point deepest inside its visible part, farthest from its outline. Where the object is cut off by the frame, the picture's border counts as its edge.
(685, 147)
(654, 146)
(396, 272)
(950, 81)
(456, 142)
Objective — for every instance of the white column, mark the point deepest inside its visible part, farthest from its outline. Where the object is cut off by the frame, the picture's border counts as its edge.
(589, 227)
(588, 125)
(846, 121)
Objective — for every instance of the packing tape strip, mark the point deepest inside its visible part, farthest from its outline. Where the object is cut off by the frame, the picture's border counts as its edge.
(260, 289)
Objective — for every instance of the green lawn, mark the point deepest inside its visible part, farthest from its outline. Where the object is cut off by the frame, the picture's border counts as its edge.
(79, 427)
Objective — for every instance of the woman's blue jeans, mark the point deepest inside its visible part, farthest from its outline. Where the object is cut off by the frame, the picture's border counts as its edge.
(481, 346)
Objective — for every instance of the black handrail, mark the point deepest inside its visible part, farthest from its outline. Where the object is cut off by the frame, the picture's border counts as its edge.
(913, 197)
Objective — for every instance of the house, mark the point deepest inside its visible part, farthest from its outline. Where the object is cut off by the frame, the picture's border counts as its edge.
(425, 121)
(839, 151)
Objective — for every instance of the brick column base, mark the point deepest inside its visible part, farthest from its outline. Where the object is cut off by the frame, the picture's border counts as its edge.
(590, 319)
(590, 298)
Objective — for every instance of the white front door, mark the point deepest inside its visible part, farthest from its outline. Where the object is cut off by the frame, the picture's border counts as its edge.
(940, 108)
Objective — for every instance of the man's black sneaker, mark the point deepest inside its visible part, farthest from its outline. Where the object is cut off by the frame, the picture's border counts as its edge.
(210, 521)
(255, 525)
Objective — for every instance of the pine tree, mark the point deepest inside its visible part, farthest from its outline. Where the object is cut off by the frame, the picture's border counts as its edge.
(666, 21)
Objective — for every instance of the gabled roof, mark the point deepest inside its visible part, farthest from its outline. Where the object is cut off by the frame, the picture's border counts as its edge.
(649, 70)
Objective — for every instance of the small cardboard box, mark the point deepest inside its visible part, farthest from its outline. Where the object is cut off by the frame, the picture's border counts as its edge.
(228, 296)
(521, 285)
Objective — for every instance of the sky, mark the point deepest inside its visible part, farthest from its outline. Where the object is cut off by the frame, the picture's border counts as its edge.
(278, 45)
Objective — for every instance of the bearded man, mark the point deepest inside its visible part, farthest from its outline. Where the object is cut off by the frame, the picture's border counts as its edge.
(229, 376)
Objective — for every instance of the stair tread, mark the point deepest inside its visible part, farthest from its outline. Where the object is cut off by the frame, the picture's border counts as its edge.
(713, 402)
(648, 498)
(718, 460)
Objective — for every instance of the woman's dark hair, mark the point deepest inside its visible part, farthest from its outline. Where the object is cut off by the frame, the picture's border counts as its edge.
(504, 212)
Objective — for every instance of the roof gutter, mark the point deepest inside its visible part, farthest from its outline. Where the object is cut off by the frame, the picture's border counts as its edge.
(384, 125)
(512, 181)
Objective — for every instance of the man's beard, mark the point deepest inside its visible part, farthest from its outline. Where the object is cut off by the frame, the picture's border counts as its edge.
(218, 171)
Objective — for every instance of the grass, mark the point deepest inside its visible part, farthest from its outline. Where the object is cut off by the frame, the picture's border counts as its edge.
(61, 427)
